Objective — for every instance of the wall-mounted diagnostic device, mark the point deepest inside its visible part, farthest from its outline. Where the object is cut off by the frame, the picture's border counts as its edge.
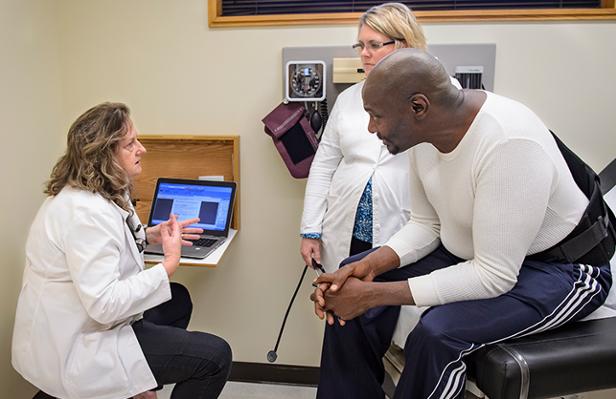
(305, 81)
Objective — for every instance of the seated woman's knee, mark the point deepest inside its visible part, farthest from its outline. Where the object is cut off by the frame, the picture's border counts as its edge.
(181, 294)
(216, 350)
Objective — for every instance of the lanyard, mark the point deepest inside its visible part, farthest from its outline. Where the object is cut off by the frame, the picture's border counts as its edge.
(140, 242)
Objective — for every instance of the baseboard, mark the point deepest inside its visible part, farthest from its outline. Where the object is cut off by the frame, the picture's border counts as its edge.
(274, 373)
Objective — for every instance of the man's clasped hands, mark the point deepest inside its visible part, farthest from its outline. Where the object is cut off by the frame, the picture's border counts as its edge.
(345, 293)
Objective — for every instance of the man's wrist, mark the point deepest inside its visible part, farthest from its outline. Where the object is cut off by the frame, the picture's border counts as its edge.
(389, 294)
(374, 295)
(382, 260)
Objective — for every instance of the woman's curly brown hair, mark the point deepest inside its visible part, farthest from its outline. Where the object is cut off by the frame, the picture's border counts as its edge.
(89, 163)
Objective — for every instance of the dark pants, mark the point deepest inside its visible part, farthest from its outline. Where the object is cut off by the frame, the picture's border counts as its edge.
(546, 296)
(359, 246)
(42, 395)
(197, 363)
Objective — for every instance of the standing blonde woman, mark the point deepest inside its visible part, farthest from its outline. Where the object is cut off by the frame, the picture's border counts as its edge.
(80, 330)
(357, 195)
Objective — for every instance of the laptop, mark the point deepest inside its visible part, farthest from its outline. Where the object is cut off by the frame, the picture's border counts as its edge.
(210, 201)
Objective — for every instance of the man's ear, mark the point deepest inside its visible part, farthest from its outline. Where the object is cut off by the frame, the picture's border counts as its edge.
(419, 105)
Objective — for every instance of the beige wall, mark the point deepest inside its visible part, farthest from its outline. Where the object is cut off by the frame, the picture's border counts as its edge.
(31, 114)
(180, 77)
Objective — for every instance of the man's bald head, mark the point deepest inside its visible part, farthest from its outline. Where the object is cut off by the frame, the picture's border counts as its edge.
(410, 99)
(408, 71)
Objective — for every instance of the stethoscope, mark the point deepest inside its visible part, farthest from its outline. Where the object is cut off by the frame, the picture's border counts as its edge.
(273, 355)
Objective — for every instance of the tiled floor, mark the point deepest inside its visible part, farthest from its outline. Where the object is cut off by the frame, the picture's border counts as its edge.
(243, 390)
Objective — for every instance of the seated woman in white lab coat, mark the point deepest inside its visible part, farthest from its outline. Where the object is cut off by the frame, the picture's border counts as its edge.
(79, 327)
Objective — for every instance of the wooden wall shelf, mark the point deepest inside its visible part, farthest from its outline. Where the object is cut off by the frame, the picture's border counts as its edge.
(186, 157)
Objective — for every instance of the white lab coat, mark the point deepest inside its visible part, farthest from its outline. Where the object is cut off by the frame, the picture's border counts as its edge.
(347, 157)
(83, 286)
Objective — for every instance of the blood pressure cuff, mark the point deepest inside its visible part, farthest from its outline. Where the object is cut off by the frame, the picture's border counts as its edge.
(593, 241)
(293, 137)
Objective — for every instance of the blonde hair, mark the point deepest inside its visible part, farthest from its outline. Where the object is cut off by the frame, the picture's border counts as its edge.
(89, 161)
(396, 21)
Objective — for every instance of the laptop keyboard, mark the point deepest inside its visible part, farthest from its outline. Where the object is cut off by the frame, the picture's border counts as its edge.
(204, 242)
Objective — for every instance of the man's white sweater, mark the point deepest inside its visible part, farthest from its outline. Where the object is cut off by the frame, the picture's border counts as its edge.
(503, 193)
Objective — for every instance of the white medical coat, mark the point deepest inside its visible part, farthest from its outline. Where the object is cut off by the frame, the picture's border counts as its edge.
(83, 286)
(347, 157)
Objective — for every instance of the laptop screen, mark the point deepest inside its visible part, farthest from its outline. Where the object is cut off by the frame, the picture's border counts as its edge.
(211, 202)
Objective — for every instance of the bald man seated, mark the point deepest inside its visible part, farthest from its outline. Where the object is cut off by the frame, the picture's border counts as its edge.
(489, 188)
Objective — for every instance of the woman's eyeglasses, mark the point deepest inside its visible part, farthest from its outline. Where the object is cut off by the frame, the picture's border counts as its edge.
(372, 46)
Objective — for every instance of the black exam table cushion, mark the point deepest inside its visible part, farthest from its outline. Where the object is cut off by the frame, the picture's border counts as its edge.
(578, 357)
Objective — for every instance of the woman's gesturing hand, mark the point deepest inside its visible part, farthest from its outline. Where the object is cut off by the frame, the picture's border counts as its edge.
(171, 237)
(187, 233)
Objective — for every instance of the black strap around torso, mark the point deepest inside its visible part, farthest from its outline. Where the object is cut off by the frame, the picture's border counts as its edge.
(593, 240)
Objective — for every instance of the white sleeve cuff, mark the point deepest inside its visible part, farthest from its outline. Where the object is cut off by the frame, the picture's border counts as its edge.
(410, 252)
(423, 291)
(401, 247)
(163, 293)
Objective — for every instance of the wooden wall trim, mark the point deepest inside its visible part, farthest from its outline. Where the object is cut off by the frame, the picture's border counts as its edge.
(607, 12)
(608, 3)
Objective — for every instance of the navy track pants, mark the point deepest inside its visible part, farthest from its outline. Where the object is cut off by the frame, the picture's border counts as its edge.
(547, 295)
